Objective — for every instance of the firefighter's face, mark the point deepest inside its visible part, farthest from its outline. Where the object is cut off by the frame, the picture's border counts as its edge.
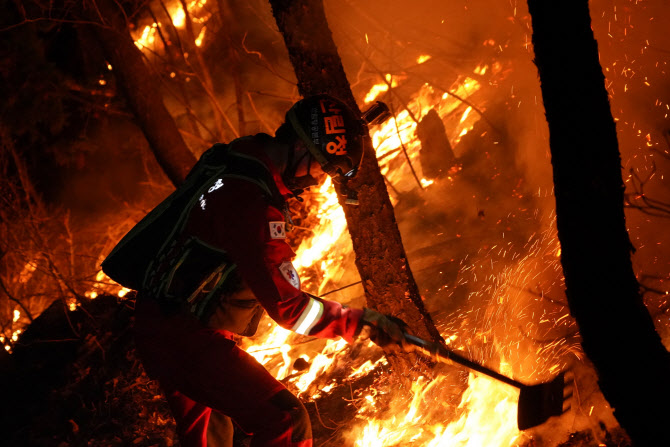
(308, 165)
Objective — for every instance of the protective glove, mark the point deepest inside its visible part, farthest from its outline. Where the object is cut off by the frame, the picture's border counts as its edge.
(385, 331)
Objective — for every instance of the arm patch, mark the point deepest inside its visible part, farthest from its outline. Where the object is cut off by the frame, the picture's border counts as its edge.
(278, 230)
(290, 275)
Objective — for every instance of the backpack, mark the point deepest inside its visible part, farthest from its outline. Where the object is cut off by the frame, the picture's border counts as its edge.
(129, 262)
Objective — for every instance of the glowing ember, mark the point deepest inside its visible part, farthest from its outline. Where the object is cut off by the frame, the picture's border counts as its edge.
(367, 367)
(378, 89)
(320, 363)
(272, 344)
(423, 58)
(178, 17)
(27, 272)
(148, 36)
(201, 37)
(198, 14)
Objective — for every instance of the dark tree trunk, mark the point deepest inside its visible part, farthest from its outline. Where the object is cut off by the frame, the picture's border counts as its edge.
(139, 85)
(380, 256)
(604, 296)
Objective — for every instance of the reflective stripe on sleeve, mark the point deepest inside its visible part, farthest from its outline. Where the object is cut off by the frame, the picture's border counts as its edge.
(310, 316)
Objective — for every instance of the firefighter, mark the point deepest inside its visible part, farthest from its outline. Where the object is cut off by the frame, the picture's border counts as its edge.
(225, 261)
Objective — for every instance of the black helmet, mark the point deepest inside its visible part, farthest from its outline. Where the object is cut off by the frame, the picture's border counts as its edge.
(332, 133)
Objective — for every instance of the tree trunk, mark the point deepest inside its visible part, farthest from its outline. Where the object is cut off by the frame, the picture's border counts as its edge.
(604, 296)
(380, 256)
(139, 85)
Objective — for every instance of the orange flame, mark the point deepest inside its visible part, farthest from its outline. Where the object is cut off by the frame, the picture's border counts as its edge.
(486, 410)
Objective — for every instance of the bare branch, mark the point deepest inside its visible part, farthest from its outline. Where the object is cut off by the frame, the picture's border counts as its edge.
(258, 115)
(639, 200)
(404, 150)
(17, 301)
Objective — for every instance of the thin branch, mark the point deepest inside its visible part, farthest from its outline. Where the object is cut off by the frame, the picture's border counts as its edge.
(318, 415)
(11, 298)
(49, 19)
(69, 321)
(341, 288)
(404, 150)
(649, 206)
(174, 28)
(264, 61)
(260, 117)
(664, 154)
(206, 79)
(180, 85)
(235, 63)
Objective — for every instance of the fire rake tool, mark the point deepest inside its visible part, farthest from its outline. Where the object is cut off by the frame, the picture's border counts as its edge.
(537, 403)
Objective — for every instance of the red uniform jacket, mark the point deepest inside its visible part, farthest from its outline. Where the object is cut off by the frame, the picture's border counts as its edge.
(235, 215)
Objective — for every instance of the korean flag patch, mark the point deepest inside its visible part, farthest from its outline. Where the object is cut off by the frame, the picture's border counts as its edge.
(278, 230)
(290, 275)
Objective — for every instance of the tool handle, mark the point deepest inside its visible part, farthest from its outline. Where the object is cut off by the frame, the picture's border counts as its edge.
(443, 355)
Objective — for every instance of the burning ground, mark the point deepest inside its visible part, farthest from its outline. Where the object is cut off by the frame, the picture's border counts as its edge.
(478, 227)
